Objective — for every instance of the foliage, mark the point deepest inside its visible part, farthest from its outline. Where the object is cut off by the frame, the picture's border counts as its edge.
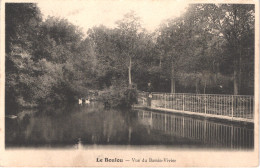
(40, 59)
(123, 97)
(211, 39)
(51, 61)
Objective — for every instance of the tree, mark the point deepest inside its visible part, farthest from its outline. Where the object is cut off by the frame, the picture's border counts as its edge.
(62, 48)
(46, 62)
(129, 29)
(22, 25)
(109, 62)
(234, 25)
(172, 40)
(238, 30)
(214, 36)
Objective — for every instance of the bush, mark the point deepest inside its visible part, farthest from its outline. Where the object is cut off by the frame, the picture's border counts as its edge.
(117, 97)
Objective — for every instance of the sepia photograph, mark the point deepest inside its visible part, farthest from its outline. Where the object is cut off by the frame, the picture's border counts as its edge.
(137, 76)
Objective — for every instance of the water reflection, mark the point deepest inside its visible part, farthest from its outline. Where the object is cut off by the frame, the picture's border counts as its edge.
(209, 133)
(77, 126)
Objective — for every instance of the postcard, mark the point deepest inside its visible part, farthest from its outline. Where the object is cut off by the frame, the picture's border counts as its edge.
(127, 83)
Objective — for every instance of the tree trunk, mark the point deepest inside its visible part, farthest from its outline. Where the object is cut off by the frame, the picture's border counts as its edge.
(173, 79)
(197, 86)
(240, 72)
(160, 63)
(129, 71)
(205, 85)
(160, 73)
(235, 81)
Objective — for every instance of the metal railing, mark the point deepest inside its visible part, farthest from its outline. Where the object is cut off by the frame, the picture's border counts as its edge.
(231, 106)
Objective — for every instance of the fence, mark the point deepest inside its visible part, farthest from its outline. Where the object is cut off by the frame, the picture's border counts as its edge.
(238, 107)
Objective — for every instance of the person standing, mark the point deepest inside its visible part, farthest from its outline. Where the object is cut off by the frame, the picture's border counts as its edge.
(149, 98)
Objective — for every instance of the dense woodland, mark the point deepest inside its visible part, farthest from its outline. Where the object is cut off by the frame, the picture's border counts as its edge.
(209, 49)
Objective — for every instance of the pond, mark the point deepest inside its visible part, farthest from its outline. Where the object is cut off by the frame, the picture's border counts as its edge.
(75, 126)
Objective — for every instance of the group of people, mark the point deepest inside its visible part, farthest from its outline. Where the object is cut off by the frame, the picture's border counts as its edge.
(82, 100)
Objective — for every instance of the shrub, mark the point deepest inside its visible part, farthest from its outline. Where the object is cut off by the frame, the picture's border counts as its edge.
(119, 97)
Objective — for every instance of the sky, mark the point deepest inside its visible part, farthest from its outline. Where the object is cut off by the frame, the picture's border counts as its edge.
(89, 13)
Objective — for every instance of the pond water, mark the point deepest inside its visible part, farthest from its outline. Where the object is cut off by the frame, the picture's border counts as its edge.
(87, 125)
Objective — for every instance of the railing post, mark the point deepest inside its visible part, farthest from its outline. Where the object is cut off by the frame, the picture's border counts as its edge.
(183, 102)
(164, 100)
(232, 108)
(205, 103)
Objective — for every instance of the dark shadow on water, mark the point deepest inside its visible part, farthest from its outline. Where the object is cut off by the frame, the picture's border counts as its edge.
(89, 124)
